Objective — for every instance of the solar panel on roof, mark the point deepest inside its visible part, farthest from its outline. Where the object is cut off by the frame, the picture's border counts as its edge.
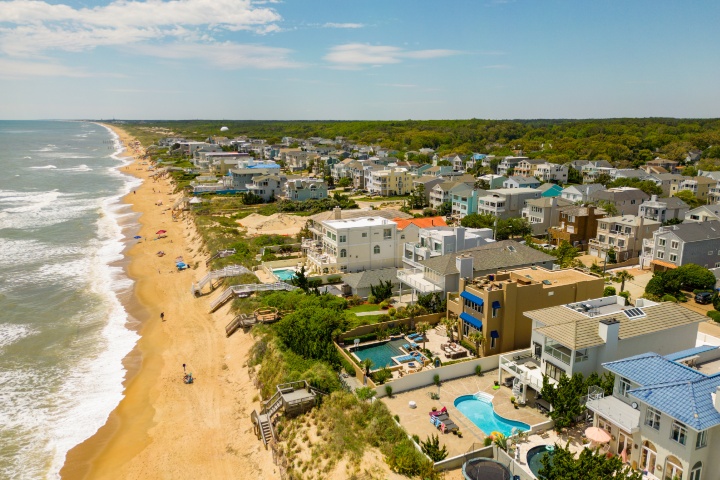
(634, 313)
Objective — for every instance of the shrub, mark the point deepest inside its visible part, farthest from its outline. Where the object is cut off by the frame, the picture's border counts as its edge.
(372, 299)
(354, 301)
(416, 439)
(363, 338)
(436, 379)
(388, 390)
(391, 311)
(626, 296)
(715, 315)
(347, 366)
(609, 292)
(668, 298)
(488, 441)
(333, 279)
(384, 304)
(469, 346)
(382, 375)
(431, 448)
(396, 417)
(478, 370)
(365, 393)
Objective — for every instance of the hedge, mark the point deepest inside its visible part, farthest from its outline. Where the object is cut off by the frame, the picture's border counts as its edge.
(714, 314)
(469, 346)
(368, 337)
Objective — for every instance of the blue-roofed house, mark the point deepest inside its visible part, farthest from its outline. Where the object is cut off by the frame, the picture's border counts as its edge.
(550, 190)
(664, 414)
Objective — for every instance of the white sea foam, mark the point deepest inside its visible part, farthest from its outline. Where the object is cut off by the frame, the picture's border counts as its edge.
(79, 168)
(11, 333)
(44, 167)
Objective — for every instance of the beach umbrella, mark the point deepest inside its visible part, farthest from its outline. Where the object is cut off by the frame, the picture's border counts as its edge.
(137, 236)
(160, 232)
(597, 435)
(181, 265)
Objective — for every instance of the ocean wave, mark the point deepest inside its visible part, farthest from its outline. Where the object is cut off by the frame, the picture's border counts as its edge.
(44, 167)
(79, 168)
(11, 333)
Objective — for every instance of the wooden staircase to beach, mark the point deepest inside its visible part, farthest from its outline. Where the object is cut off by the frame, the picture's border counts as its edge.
(229, 271)
(220, 254)
(247, 289)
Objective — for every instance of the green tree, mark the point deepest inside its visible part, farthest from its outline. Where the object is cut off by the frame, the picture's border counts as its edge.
(478, 339)
(367, 364)
(382, 291)
(422, 328)
(590, 464)
(574, 176)
(609, 208)
(566, 254)
(609, 291)
(365, 393)
(431, 448)
(623, 276)
(344, 182)
(696, 277)
(445, 209)
(478, 220)
(688, 197)
(301, 280)
(482, 185)
(309, 330)
(603, 179)
(647, 186)
(450, 324)
(417, 197)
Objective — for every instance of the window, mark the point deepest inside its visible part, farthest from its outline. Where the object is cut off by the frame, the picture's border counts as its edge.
(493, 342)
(364, 234)
(661, 242)
(696, 471)
(495, 311)
(679, 432)
(710, 252)
(343, 253)
(387, 233)
(402, 237)
(343, 238)
(553, 372)
(674, 244)
(603, 226)
(604, 425)
(376, 249)
(628, 230)
(660, 255)
(673, 257)
(701, 440)
(601, 238)
(624, 386)
(717, 265)
(652, 418)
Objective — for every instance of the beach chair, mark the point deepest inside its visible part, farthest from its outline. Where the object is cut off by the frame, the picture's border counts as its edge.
(439, 412)
(449, 426)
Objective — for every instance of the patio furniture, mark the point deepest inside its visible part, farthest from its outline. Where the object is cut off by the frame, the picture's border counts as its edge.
(412, 404)
(438, 412)
(448, 426)
(509, 382)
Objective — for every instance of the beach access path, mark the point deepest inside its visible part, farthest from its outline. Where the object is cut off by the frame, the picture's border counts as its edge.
(163, 428)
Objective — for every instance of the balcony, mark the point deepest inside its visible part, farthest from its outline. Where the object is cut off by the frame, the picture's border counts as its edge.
(321, 259)
(523, 365)
(617, 412)
(415, 278)
(559, 352)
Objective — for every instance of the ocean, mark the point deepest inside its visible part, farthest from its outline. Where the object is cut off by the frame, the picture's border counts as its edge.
(63, 328)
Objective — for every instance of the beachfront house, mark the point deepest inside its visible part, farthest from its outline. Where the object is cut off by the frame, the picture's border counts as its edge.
(301, 189)
(663, 416)
(443, 273)
(267, 187)
(579, 337)
(495, 304)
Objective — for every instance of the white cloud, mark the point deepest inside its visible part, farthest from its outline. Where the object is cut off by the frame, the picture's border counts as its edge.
(357, 55)
(18, 69)
(223, 55)
(343, 25)
(35, 28)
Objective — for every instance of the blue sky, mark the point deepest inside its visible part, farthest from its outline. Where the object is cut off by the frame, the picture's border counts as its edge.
(362, 59)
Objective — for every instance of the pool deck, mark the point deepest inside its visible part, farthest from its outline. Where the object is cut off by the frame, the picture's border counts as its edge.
(416, 421)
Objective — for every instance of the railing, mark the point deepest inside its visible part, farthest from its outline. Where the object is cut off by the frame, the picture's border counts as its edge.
(249, 288)
(554, 352)
(604, 408)
(229, 271)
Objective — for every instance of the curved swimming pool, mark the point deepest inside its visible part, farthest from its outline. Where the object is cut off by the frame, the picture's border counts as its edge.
(481, 412)
(535, 456)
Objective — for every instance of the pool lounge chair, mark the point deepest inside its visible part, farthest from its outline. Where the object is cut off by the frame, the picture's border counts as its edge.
(438, 412)
(448, 426)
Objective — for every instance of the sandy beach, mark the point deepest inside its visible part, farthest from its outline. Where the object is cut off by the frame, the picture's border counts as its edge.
(163, 428)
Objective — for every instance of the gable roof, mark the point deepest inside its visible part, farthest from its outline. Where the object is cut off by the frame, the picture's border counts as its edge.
(548, 202)
(696, 231)
(620, 193)
(371, 277)
(426, 222)
(388, 214)
(520, 180)
(493, 256)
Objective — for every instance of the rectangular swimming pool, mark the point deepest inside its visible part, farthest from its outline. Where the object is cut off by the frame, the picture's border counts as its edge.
(284, 274)
(381, 353)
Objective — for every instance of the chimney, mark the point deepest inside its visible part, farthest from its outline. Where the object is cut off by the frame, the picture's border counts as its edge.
(653, 198)
(337, 213)
(459, 239)
(609, 331)
(464, 264)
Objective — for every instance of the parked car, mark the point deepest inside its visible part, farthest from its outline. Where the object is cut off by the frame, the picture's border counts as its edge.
(703, 298)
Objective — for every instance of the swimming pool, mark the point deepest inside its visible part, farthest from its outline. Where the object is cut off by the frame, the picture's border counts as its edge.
(481, 412)
(381, 353)
(535, 456)
(284, 274)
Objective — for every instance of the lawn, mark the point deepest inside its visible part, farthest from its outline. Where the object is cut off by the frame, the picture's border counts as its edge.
(366, 307)
(381, 199)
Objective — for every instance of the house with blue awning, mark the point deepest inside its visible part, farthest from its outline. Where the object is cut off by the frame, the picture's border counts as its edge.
(495, 304)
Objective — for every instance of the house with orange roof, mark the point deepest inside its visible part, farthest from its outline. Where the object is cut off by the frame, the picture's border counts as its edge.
(408, 230)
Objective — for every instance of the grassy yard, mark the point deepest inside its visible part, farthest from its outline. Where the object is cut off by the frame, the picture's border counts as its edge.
(381, 199)
(367, 307)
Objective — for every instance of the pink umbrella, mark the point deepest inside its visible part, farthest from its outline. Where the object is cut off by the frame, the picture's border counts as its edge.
(597, 435)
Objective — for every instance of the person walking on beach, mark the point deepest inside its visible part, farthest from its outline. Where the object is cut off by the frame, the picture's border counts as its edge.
(162, 316)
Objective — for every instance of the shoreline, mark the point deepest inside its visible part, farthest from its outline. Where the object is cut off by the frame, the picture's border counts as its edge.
(163, 428)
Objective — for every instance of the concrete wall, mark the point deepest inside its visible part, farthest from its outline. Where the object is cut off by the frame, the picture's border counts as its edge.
(432, 319)
(425, 377)
(359, 372)
(453, 463)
